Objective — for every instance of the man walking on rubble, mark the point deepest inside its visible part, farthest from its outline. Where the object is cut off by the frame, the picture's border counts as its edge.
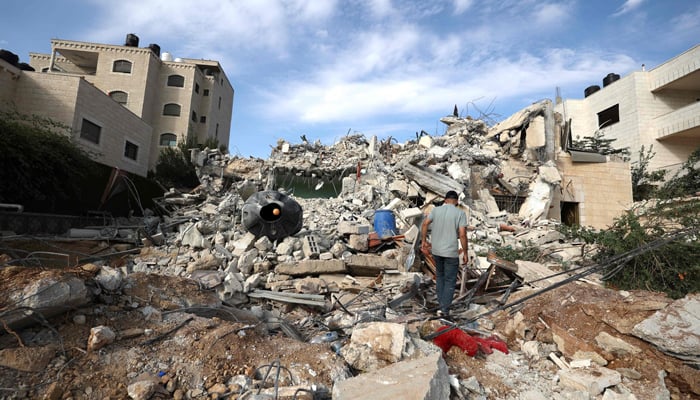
(448, 224)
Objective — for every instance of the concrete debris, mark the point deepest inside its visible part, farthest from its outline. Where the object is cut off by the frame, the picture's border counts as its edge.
(280, 264)
(375, 345)
(675, 328)
(424, 378)
(593, 381)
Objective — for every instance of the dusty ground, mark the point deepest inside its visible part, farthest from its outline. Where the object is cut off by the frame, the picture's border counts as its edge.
(205, 354)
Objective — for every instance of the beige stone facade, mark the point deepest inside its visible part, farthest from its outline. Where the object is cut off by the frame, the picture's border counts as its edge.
(177, 99)
(121, 139)
(659, 107)
(594, 194)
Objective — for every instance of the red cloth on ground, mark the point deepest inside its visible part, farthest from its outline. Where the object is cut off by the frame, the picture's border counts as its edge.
(469, 344)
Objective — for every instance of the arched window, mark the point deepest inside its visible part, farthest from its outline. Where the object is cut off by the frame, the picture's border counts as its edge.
(123, 66)
(172, 109)
(168, 139)
(119, 96)
(176, 80)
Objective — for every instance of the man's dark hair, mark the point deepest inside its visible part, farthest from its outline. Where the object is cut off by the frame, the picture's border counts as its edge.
(452, 195)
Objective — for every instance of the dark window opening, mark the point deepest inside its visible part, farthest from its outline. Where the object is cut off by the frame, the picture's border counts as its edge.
(168, 139)
(206, 92)
(119, 96)
(122, 66)
(196, 87)
(216, 133)
(90, 131)
(219, 103)
(194, 116)
(203, 119)
(131, 150)
(171, 109)
(176, 80)
(609, 116)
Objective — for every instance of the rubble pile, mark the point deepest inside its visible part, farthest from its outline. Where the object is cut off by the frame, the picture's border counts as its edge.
(335, 304)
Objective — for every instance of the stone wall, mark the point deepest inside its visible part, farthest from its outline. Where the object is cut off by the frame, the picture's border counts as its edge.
(602, 190)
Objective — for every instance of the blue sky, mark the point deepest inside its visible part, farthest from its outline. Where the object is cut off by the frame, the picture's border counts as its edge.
(378, 67)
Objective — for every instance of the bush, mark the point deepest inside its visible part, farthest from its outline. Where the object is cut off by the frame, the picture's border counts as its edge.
(173, 169)
(41, 168)
(673, 268)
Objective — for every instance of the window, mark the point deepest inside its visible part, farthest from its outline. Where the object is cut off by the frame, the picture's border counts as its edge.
(172, 109)
(203, 119)
(196, 87)
(119, 96)
(176, 80)
(219, 102)
(90, 131)
(194, 116)
(216, 134)
(131, 150)
(168, 139)
(123, 66)
(206, 92)
(609, 116)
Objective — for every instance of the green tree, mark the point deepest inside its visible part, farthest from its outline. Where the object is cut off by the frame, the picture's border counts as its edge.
(644, 182)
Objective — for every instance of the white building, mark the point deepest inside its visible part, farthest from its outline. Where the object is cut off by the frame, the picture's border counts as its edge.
(123, 102)
(659, 107)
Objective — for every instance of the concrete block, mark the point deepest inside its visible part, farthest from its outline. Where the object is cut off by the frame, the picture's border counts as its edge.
(352, 228)
(310, 247)
(425, 378)
(593, 380)
(374, 345)
(358, 242)
(411, 213)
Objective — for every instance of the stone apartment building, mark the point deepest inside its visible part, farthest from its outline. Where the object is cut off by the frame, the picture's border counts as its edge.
(659, 107)
(123, 102)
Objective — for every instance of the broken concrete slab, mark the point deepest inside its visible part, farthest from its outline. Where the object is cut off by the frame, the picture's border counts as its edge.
(369, 264)
(425, 378)
(615, 345)
(312, 267)
(675, 328)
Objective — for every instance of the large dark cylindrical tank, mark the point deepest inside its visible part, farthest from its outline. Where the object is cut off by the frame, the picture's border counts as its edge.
(131, 40)
(590, 90)
(610, 78)
(9, 56)
(272, 214)
(155, 49)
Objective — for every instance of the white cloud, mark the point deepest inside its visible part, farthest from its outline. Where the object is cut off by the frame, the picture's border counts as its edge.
(380, 8)
(460, 6)
(551, 14)
(628, 6)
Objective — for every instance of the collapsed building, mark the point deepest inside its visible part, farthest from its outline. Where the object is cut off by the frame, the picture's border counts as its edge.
(319, 244)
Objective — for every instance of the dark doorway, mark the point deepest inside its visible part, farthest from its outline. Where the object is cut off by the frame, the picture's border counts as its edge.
(569, 213)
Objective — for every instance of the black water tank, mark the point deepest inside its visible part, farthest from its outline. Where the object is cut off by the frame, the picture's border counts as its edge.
(9, 56)
(610, 78)
(131, 40)
(272, 214)
(154, 48)
(25, 67)
(590, 90)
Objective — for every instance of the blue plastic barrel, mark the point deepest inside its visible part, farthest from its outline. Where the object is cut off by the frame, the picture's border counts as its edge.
(384, 223)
